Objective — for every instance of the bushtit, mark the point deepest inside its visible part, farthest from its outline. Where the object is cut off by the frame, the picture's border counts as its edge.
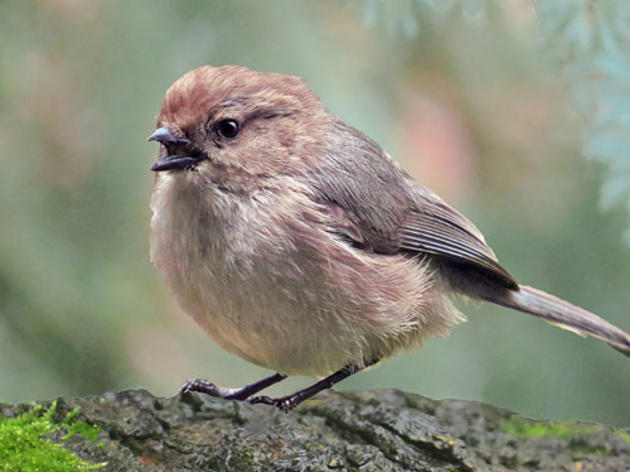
(297, 243)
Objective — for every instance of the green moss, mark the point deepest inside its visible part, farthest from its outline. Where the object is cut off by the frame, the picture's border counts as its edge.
(521, 427)
(24, 449)
(581, 451)
(624, 434)
(88, 431)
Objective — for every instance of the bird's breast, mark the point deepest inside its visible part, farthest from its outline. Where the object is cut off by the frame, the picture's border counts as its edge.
(268, 282)
(234, 268)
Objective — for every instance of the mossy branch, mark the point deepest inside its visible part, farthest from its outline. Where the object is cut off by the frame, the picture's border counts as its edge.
(384, 430)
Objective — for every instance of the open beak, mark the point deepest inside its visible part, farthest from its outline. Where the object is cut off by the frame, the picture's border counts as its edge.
(173, 162)
(166, 137)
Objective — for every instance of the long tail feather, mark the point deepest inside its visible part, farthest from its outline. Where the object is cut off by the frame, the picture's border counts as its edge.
(565, 315)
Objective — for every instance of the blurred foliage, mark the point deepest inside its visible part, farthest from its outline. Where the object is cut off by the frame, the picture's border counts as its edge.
(489, 103)
(587, 41)
(591, 41)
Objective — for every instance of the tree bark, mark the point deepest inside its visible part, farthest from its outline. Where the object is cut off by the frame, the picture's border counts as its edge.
(384, 430)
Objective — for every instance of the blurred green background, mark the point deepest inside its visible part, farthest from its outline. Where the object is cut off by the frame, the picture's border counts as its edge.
(494, 108)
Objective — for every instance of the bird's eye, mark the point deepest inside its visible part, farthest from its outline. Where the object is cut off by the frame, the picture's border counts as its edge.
(227, 128)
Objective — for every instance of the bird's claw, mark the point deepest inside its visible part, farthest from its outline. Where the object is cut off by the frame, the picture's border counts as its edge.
(203, 386)
(284, 404)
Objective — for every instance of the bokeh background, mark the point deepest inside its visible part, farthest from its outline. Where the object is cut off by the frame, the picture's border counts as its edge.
(514, 111)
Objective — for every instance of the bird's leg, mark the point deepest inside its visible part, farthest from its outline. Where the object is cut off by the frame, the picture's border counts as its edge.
(203, 386)
(286, 404)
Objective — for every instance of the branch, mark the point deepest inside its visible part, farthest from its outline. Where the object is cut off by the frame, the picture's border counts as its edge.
(384, 430)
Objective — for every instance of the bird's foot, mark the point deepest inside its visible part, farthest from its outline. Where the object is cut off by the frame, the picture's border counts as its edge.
(209, 388)
(284, 404)
(239, 394)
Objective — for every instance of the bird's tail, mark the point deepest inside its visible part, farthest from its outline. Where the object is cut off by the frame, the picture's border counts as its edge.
(564, 315)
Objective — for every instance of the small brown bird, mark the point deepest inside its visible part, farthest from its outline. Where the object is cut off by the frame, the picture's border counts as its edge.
(298, 244)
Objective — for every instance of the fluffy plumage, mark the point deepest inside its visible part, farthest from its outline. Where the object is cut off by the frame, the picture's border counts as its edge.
(299, 245)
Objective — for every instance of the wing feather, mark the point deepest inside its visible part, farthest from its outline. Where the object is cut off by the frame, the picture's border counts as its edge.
(431, 234)
(389, 213)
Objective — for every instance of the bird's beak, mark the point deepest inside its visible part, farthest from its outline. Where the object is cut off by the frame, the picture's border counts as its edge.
(174, 162)
(165, 136)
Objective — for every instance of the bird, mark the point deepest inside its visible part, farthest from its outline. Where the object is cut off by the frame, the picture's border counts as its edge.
(297, 243)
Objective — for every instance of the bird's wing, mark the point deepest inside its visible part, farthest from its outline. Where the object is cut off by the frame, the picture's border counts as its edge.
(442, 232)
(390, 213)
(437, 230)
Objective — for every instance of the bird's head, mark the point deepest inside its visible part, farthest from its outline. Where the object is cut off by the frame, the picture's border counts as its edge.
(234, 121)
